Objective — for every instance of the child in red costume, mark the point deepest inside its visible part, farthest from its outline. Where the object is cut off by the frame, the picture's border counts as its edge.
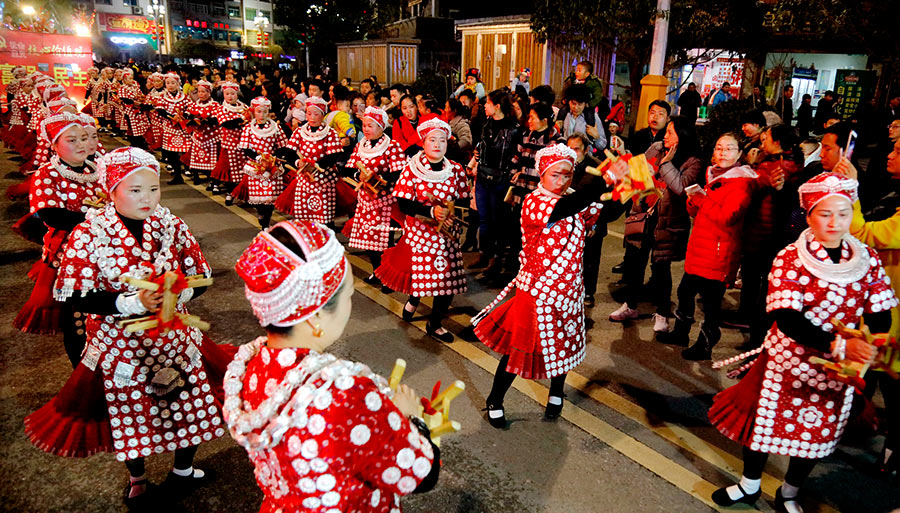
(324, 434)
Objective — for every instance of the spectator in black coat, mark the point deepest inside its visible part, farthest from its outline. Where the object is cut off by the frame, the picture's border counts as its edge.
(689, 102)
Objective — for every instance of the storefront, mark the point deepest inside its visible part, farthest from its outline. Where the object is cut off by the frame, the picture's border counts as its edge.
(132, 36)
(815, 73)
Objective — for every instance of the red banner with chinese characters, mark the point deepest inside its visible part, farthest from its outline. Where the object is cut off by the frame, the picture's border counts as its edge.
(65, 58)
(125, 23)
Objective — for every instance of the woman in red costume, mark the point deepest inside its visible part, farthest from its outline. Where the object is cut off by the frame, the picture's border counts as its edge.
(135, 123)
(324, 434)
(228, 169)
(203, 121)
(370, 227)
(787, 404)
(171, 106)
(261, 141)
(156, 87)
(427, 261)
(540, 330)
(312, 195)
(140, 393)
(57, 198)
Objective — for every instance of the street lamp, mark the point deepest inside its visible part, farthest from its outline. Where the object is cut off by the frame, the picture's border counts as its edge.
(28, 10)
(158, 11)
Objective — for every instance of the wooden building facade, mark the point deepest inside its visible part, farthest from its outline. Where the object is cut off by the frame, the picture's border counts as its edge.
(391, 60)
(499, 47)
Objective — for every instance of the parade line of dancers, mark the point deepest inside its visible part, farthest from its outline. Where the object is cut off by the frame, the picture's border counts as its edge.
(118, 271)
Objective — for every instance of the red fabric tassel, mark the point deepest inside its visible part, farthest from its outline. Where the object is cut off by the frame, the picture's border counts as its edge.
(41, 314)
(347, 229)
(30, 228)
(285, 201)
(222, 171)
(733, 411)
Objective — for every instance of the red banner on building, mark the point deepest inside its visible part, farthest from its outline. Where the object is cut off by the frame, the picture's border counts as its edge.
(125, 23)
(65, 58)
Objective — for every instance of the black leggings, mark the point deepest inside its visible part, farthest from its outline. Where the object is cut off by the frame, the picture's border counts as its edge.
(503, 379)
(137, 141)
(711, 293)
(265, 215)
(375, 258)
(173, 159)
(73, 341)
(798, 469)
(184, 459)
(439, 308)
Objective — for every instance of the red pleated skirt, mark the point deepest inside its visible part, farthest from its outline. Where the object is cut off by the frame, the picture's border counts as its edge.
(395, 270)
(19, 190)
(733, 411)
(30, 228)
(75, 423)
(511, 329)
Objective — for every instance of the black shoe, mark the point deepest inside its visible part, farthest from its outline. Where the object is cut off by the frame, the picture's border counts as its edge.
(372, 280)
(681, 332)
(722, 498)
(385, 289)
(187, 173)
(217, 191)
(407, 315)
(498, 422)
(211, 187)
(589, 301)
(229, 200)
(142, 502)
(780, 501)
(445, 337)
(698, 352)
(178, 180)
(553, 411)
(619, 268)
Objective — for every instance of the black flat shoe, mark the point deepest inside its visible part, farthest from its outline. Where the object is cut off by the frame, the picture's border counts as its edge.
(176, 181)
(780, 501)
(553, 411)
(495, 422)
(372, 280)
(182, 486)
(619, 268)
(722, 498)
(445, 337)
(229, 200)
(142, 502)
(385, 289)
(407, 315)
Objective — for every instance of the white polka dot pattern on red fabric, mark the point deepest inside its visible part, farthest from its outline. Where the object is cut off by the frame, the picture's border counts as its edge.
(204, 137)
(802, 409)
(315, 200)
(263, 191)
(371, 227)
(347, 456)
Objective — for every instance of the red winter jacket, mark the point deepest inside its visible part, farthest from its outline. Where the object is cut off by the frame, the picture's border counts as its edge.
(405, 133)
(714, 248)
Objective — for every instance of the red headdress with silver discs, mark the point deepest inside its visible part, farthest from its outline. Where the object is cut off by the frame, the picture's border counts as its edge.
(318, 103)
(127, 71)
(377, 115)
(205, 84)
(230, 85)
(53, 92)
(172, 75)
(118, 164)
(60, 103)
(53, 126)
(824, 185)
(285, 288)
(431, 125)
(258, 102)
(554, 155)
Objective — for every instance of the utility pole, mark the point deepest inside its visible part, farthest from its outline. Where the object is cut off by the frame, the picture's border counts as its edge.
(655, 84)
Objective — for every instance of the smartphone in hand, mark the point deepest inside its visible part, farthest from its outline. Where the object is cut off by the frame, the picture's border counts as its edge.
(851, 145)
(691, 190)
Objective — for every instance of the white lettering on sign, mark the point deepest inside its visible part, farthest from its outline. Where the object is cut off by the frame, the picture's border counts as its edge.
(128, 41)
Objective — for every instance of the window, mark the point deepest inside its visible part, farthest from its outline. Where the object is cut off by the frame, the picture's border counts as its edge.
(218, 9)
(236, 37)
(266, 14)
(249, 14)
(104, 2)
(130, 3)
(234, 12)
(199, 8)
(219, 35)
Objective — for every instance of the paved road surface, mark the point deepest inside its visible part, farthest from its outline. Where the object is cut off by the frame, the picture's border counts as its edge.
(634, 437)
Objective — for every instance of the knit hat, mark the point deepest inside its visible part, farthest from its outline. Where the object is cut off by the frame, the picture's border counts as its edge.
(118, 164)
(285, 288)
(554, 155)
(824, 185)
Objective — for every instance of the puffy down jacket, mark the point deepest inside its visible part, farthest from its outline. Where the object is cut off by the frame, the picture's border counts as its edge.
(714, 247)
